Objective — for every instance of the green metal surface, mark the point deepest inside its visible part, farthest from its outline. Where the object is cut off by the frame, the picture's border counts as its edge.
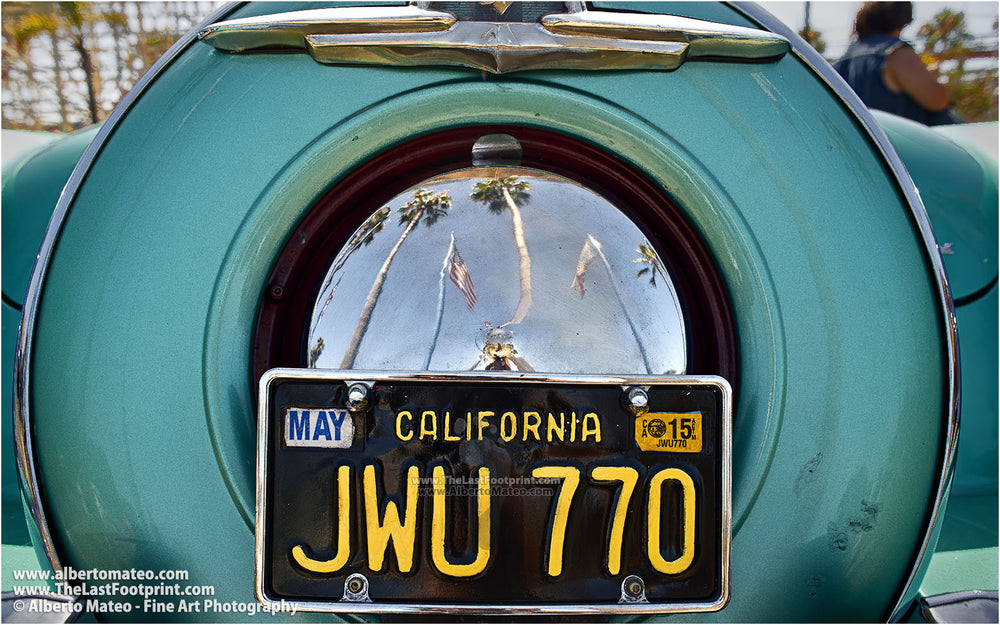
(974, 568)
(32, 181)
(960, 570)
(957, 179)
(26, 560)
(966, 557)
(31, 188)
(18, 145)
(142, 407)
(979, 140)
(18, 563)
(960, 194)
(976, 470)
(14, 530)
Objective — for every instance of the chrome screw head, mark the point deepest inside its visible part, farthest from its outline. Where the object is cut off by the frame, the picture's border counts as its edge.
(357, 397)
(633, 590)
(356, 589)
(638, 401)
(634, 587)
(355, 584)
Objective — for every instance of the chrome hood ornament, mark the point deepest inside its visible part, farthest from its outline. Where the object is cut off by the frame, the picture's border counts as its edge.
(575, 38)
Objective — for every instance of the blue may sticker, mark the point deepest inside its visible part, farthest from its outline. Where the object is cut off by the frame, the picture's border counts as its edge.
(318, 427)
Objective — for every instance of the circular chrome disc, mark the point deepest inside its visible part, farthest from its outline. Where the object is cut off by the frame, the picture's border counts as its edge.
(498, 268)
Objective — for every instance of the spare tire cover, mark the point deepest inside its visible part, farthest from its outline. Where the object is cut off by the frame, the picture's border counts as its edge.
(142, 403)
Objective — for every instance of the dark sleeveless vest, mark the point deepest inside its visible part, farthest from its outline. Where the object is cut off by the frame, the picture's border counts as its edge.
(861, 66)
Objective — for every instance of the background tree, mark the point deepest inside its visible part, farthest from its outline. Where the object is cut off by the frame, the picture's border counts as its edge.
(811, 36)
(17, 56)
(946, 36)
(948, 46)
(66, 64)
(32, 27)
(118, 24)
(79, 19)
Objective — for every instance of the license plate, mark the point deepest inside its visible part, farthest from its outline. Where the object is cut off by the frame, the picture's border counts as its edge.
(492, 493)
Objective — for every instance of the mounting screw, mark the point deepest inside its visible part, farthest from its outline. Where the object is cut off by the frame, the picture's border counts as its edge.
(633, 590)
(355, 584)
(356, 589)
(638, 401)
(357, 397)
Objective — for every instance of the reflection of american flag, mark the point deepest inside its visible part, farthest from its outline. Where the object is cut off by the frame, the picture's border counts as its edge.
(587, 256)
(459, 274)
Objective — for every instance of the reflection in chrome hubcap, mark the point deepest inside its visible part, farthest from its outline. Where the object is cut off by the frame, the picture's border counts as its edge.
(504, 268)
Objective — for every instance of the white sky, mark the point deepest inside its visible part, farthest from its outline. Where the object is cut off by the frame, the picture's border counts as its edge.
(834, 19)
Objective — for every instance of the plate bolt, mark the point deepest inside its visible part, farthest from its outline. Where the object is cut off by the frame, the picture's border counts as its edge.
(356, 589)
(633, 590)
(638, 401)
(634, 587)
(357, 397)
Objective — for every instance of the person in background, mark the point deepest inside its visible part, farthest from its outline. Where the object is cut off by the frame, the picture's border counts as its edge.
(885, 71)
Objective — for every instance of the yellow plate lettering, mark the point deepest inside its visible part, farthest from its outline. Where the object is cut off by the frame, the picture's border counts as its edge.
(402, 532)
(343, 531)
(628, 477)
(570, 477)
(438, 556)
(683, 561)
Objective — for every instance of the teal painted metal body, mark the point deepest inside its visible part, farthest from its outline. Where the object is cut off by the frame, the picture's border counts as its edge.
(143, 413)
(958, 182)
(32, 181)
(959, 192)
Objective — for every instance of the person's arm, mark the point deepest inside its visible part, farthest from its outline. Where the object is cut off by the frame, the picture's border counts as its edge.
(905, 72)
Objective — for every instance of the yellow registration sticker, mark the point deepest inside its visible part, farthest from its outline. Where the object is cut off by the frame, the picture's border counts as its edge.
(669, 431)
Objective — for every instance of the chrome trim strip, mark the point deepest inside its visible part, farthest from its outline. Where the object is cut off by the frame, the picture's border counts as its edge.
(578, 39)
(825, 71)
(292, 28)
(497, 377)
(25, 337)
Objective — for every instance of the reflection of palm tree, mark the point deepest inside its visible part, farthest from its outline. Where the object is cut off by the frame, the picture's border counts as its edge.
(510, 193)
(315, 352)
(648, 256)
(621, 300)
(364, 236)
(425, 205)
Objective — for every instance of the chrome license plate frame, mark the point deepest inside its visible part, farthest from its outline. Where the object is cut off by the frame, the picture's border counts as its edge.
(302, 411)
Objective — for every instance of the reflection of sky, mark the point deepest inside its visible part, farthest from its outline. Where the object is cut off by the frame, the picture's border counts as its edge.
(562, 331)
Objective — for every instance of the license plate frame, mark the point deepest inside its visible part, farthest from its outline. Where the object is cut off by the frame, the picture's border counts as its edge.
(278, 429)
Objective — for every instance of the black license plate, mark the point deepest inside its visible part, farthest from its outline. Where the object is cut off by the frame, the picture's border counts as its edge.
(493, 493)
